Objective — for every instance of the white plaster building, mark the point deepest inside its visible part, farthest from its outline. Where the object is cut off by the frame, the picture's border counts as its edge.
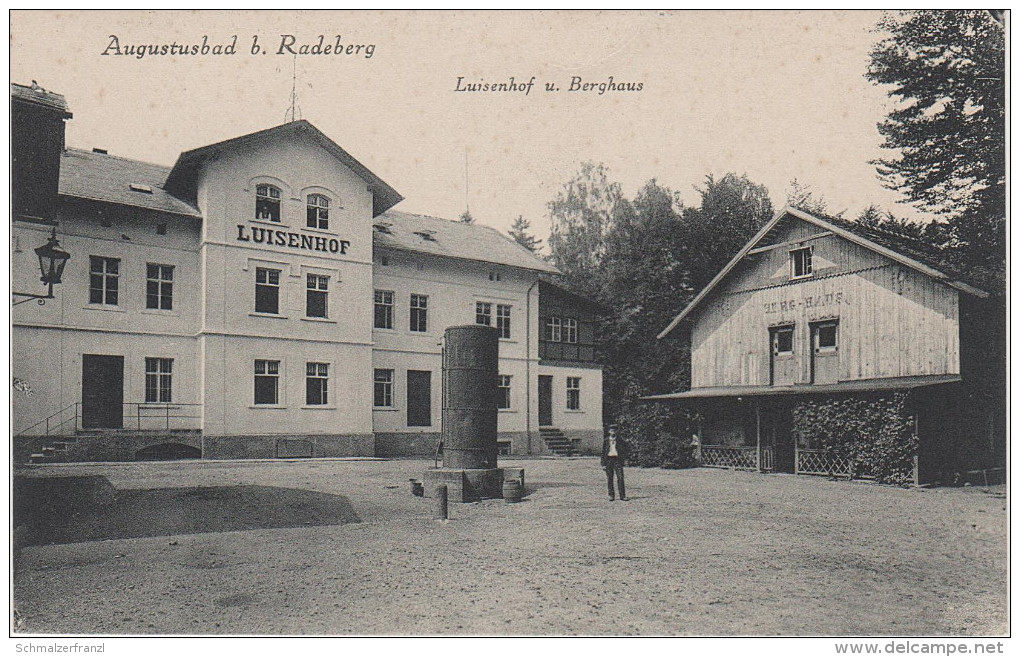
(261, 299)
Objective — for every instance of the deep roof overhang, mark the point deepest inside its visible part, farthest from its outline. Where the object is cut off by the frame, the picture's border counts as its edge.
(864, 385)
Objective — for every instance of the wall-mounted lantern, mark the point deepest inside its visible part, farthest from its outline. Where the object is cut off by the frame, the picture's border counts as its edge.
(51, 265)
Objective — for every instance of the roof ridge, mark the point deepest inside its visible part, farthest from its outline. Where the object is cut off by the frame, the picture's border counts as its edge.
(87, 151)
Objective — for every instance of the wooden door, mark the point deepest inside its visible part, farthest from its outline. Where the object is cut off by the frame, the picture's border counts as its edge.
(419, 398)
(825, 352)
(102, 392)
(545, 389)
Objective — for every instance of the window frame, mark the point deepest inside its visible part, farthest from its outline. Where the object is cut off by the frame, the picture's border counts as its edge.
(319, 205)
(553, 329)
(321, 289)
(805, 263)
(109, 281)
(503, 320)
(268, 365)
(785, 329)
(387, 387)
(483, 310)
(418, 319)
(816, 334)
(266, 201)
(504, 392)
(387, 307)
(570, 330)
(268, 285)
(573, 393)
(158, 380)
(317, 372)
(164, 286)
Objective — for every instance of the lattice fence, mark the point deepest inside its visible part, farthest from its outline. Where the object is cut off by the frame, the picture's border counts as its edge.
(719, 456)
(820, 462)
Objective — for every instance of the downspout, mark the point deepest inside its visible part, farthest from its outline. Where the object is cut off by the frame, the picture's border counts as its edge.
(527, 365)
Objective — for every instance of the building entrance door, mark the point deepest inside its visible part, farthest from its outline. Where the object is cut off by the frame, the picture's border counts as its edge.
(102, 392)
(777, 439)
(419, 398)
(545, 413)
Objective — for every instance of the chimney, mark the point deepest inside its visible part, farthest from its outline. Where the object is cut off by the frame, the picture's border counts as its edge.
(37, 142)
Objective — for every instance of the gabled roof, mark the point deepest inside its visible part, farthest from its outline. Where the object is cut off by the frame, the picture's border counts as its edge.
(907, 252)
(421, 233)
(101, 177)
(181, 181)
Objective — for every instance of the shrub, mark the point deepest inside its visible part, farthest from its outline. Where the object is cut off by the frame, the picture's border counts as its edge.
(875, 434)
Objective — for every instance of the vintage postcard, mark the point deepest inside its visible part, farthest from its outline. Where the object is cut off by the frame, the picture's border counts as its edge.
(520, 323)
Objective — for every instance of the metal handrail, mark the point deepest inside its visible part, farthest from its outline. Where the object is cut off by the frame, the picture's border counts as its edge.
(46, 421)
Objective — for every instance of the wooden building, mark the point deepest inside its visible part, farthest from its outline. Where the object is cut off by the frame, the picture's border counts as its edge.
(813, 310)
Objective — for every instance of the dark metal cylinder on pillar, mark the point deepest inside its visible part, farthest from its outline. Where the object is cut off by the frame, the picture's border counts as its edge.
(471, 368)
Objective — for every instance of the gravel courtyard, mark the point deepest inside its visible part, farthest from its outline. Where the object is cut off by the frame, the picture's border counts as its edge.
(342, 547)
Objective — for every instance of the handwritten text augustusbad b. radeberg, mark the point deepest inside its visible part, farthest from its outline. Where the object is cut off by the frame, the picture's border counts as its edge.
(288, 44)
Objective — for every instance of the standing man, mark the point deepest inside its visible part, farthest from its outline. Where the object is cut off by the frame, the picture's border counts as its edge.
(614, 453)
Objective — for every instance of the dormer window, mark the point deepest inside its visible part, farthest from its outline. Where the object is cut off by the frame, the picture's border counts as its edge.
(267, 203)
(318, 211)
(427, 235)
(800, 263)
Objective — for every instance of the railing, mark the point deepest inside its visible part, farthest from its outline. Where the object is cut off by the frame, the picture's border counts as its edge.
(725, 456)
(163, 416)
(139, 416)
(56, 424)
(822, 462)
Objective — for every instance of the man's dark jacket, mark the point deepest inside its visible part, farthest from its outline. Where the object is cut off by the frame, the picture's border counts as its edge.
(621, 450)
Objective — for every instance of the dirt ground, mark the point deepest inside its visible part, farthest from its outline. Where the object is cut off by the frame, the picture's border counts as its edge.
(342, 547)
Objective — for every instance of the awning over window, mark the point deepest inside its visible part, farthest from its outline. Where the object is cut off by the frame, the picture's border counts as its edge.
(867, 385)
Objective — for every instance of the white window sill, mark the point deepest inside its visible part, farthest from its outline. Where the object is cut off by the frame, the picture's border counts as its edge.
(319, 407)
(507, 410)
(508, 340)
(323, 231)
(384, 330)
(573, 410)
(267, 222)
(802, 277)
(269, 315)
(156, 311)
(320, 320)
(268, 407)
(385, 408)
(106, 309)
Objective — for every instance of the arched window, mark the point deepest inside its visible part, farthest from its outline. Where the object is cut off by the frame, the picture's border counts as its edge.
(318, 211)
(267, 203)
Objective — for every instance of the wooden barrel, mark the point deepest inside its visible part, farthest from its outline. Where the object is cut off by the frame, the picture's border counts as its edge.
(512, 490)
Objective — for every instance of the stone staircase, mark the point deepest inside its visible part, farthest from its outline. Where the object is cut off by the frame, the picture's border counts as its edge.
(55, 452)
(556, 442)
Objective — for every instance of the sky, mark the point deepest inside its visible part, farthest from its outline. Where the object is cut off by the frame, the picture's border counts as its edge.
(773, 95)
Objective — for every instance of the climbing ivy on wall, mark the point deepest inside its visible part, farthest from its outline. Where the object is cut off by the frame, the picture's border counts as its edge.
(876, 435)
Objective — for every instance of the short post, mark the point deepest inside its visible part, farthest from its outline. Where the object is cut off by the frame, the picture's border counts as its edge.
(441, 509)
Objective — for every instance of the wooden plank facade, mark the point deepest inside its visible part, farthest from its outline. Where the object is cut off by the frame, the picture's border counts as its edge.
(813, 309)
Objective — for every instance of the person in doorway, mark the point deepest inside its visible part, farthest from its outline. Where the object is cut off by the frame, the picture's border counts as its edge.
(614, 453)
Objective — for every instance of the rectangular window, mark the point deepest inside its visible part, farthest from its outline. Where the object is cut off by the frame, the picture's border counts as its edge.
(553, 329)
(318, 212)
(267, 382)
(317, 296)
(503, 320)
(159, 287)
(419, 313)
(800, 262)
(573, 393)
(384, 388)
(316, 384)
(158, 374)
(104, 280)
(483, 313)
(383, 309)
(503, 396)
(826, 335)
(570, 330)
(782, 340)
(267, 290)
